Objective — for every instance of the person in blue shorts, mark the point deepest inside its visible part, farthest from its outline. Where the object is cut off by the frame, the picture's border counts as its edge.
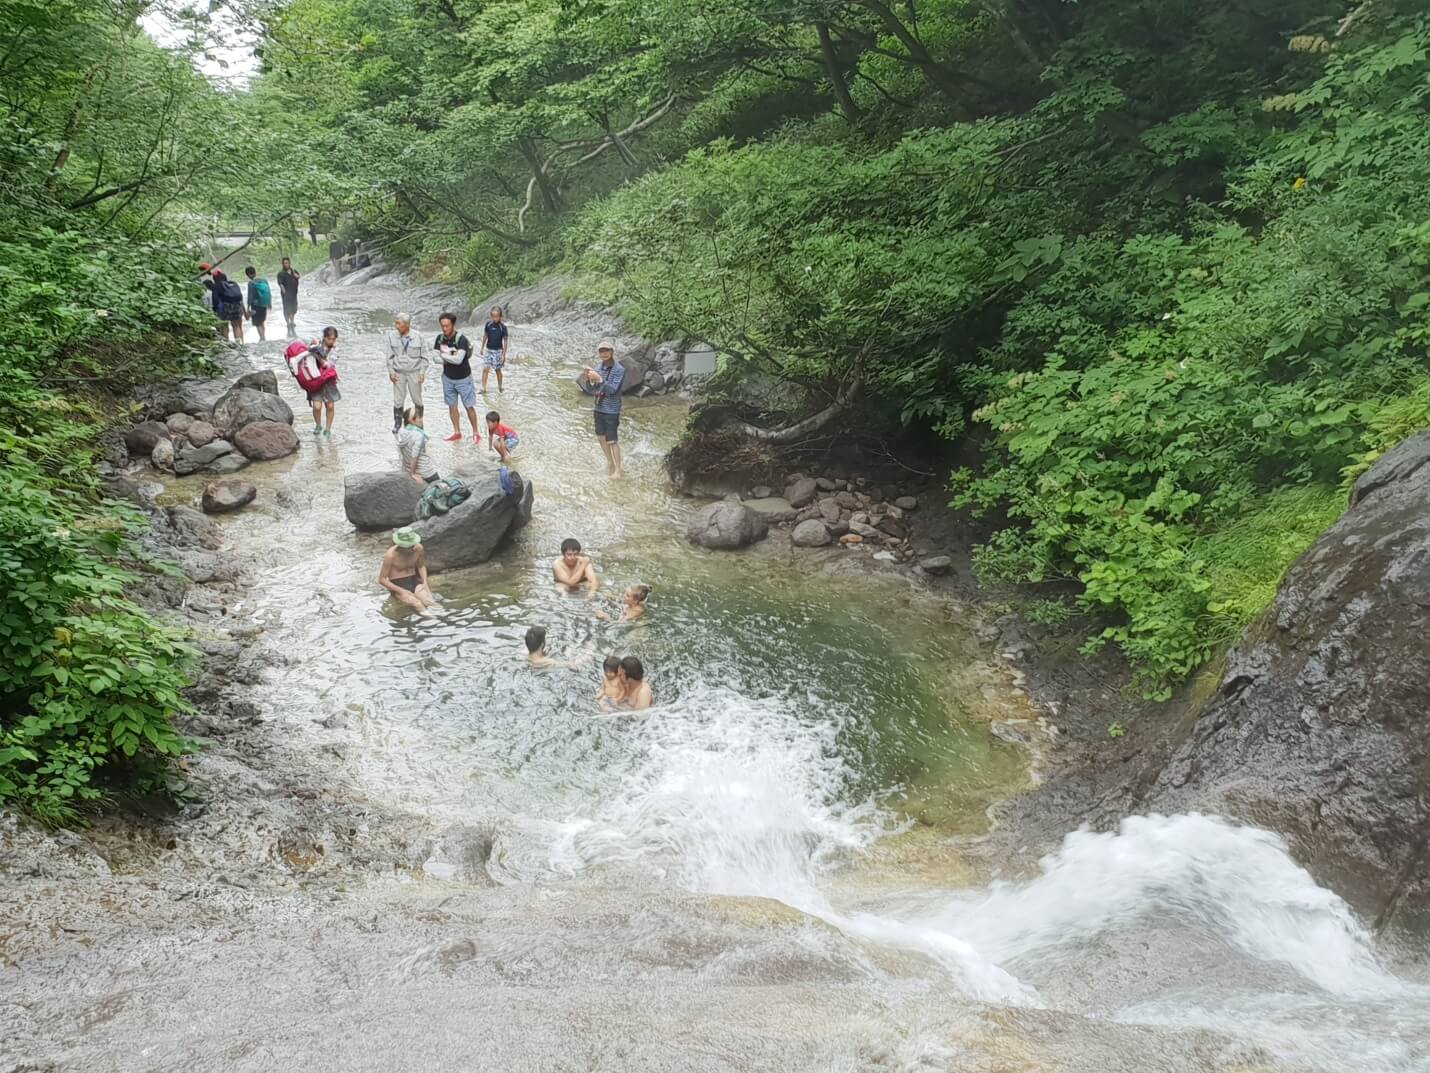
(496, 341)
(456, 354)
(611, 377)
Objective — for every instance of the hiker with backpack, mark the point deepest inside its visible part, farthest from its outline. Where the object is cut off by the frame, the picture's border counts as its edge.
(227, 303)
(315, 367)
(260, 300)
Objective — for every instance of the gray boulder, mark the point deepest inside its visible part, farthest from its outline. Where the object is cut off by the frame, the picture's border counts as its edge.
(200, 434)
(636, 368)
(727, 525)
(243, 406)
(375, 501)
(801, 493)
(161, 457)
(178, 424)
(810, 534)
(263, 441)
(655, 380)
(829, 511)
(229, 463)
(666, 358)
(189, 460)
(1318, 729)
(263, 380)
(524, 495)
(192, 396)
(224, 496)
(141, 439)
(936, 564)
(907, 503)
(470, 532)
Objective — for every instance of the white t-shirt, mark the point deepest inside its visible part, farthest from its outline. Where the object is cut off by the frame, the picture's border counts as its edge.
(412, 443)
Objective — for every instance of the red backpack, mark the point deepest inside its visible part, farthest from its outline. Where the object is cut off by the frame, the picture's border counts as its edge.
(309, 382)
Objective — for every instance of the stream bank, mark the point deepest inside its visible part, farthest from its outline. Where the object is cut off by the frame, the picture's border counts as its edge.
(424, 855)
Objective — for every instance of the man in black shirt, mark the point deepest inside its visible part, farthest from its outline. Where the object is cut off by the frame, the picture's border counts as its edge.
(456, 354)
(288, 284)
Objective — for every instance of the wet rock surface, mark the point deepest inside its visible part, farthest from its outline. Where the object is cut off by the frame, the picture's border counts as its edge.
(1319, 727)
(224, 496)
(243, 406)
(374, 501)
(727, 525)
(264, 441)
(471, 531)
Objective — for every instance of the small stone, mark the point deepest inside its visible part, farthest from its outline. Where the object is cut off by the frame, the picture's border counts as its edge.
(906, 503)
(200, 433)
(895, 528)
(829, 511)
(824, 484)
(892, 511)
(761, 491)
(810, 534)
(860, 482)
(860, 516)
(178, 424)
(143, 438)
(885, 556)
(847, 500)
(1009, 733)
(224, 496)
(842, 484)
(936, 564)
(161, 456)
(851, 538)
(868, 532)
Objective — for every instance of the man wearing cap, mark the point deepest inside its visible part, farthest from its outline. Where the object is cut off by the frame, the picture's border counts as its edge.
(611, 376)
(406, 367)
(404, 570)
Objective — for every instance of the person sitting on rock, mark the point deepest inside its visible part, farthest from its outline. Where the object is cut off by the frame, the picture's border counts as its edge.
(573, 569)
(404, 570)
(633, 605)
(412, 446)
(609, 695)
(635, 692)
(501, 438)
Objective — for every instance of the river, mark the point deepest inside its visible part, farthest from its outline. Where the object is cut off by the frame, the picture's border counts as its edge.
(764, 872)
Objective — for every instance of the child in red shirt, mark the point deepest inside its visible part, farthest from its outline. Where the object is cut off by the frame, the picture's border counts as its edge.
(501, 438)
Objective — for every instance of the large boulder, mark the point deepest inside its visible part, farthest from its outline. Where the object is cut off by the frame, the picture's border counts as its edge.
(1318, 729)
(375, 501)
(224, 496)
(200, 434)
(189, 460)
(191, 396)
(470, 532)
(263, 441)
(142, 438)
(636, 368)
(727, 525)
(810, 534)
(263, 380)
(801, 493)
(243, 406)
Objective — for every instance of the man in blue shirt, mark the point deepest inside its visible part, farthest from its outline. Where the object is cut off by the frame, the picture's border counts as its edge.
(611, 376)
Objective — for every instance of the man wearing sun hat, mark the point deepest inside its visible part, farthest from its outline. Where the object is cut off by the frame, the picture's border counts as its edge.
(611, 377)
(404, 570)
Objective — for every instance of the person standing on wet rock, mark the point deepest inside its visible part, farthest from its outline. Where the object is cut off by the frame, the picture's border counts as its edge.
(496, 340)
(456, 353)
(611, 378)
(406, 368)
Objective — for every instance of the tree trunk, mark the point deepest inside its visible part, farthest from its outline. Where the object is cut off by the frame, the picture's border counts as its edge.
(549, 194)
(939, 76)
(835, 67)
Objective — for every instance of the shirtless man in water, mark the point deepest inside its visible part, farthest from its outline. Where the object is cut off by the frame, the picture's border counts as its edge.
(635, 692)
(404, 570)
(573, 569)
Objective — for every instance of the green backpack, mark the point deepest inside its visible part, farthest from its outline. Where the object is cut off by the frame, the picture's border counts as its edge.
(265, 296)
(442, 496)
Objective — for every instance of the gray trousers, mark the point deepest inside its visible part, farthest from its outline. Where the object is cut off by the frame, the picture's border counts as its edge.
(408, 385)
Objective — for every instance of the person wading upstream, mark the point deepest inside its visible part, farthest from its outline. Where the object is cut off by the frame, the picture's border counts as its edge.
(322, 355)
(406, 368)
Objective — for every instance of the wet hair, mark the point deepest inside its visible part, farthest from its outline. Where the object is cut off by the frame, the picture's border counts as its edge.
(641, 591)
(411, 412)
(611, 664)
(570, 544)
(632, 666)
(249, 270)
(535, 639)
(448, 316)
(493, 417)
(330, 330)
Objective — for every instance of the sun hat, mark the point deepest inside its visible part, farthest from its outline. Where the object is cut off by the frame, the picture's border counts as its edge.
(606, 344)
(407, 537)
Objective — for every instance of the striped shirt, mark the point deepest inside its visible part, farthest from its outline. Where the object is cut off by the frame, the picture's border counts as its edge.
(608, 401)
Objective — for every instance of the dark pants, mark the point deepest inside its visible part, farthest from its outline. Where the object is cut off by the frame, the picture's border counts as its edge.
(607, 426)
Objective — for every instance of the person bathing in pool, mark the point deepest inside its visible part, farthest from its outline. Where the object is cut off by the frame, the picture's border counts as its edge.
(404, 571)
(609, 695)
(635, 691)
(536, 654)
(573, 569)
(632, 607)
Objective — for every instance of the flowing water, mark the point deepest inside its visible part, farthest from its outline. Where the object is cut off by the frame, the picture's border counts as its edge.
(760, 873)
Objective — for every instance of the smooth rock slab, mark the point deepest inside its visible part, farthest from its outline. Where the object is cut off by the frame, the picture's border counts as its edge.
(229, 463)
(386, 500)
(263, 441)
(727, 525)
(194, 459)
(224, 496)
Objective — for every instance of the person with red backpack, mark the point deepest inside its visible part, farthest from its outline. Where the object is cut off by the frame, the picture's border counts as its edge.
(315, 367)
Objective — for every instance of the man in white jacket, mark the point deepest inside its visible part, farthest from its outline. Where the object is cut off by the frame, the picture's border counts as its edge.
(407, 361)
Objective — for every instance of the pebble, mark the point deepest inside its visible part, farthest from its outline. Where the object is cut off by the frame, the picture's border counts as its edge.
(851, 538)
(906, 503)
(886, 557)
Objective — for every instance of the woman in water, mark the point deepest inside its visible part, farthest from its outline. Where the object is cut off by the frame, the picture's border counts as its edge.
(321, 355)
(632, 606)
